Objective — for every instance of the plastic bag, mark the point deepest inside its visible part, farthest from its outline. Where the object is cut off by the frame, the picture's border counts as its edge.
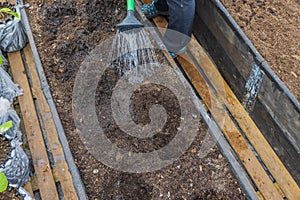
(5, 64)
(7, 114)
(13, 35)
(8, 89)
(24, 194)
(16, 167)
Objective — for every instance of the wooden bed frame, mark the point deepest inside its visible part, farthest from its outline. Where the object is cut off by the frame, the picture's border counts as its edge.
(262, 120)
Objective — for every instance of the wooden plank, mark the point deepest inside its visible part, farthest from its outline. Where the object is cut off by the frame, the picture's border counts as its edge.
(38, 151)
(28, 188)
(282, 109)
(274, 164)
(256, 171)
(220, 57)
(63, 174)
(147, 1)
(239, 144)
(13, 2)
(236, 49)
(228, 46)
(78, 184)
(281, 145)
(269, 157)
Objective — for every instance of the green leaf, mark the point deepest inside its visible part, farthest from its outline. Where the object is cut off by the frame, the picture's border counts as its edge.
(9, 11)
(6, 126)
(1, 61)
(3, 182)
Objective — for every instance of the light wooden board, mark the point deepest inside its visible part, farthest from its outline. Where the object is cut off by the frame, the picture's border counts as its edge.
(282, 176)
(28, 188)
(13, 2)
(239, 144)
(275, 107)
(269, 157)
(63, 174)
(38, 150)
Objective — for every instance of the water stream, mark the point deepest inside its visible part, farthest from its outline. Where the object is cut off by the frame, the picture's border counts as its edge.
(133, 55)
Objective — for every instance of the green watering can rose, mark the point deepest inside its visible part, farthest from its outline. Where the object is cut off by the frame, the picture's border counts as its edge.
(130, 22)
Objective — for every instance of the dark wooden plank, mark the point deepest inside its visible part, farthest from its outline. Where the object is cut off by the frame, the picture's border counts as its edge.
(239, 144)
(61, 167)
(281, 145)
(251, 163)
(220, 57)
(236, 49)
(283, 111)
(38, 150)
(209, 15)
(269, 157)
(216, 31)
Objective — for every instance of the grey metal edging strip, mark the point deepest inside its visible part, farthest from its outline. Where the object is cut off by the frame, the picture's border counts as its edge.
(237, 168)
(77, 181)
(262, 62)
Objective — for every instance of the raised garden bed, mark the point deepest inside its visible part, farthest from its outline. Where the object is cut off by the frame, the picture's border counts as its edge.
(43, 140)
(190, 177)
(181, 179)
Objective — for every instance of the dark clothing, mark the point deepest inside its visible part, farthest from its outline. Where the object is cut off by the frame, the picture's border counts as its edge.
(181, 21)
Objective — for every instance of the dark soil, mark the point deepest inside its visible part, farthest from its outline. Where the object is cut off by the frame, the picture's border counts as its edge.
(4, 146)
(10, 195)
(273, 27)
(142, 100)
(65, 31)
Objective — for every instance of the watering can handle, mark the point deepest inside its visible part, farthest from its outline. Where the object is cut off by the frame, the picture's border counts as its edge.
(130, 5)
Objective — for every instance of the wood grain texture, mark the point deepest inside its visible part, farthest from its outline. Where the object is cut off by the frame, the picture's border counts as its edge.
(239, 144)
(38, 150)
(253, 134)
(61, 167)
(234, 56)
(227, 97)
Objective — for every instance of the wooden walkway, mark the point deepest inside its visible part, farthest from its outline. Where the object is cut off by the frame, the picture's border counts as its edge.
(55, 175)
(52, 179)
(271, 179)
